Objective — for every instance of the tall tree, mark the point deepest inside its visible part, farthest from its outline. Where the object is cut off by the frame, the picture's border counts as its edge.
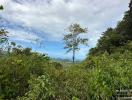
(125, 26)
(3, 39)
(109, 40)
(130, 5)
(3, 35)
(73, 39)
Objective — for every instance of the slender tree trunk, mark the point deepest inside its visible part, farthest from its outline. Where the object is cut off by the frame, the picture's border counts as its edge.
(73, 57)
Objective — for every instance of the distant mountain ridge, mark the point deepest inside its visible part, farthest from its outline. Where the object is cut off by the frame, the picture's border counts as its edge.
(64, 60)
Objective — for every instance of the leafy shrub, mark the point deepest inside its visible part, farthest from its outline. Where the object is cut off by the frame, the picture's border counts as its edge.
(17, 69)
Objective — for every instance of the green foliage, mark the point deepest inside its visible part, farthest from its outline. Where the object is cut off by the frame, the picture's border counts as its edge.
(3, 36)
(72, 40)
(117, 37)
(125, 26)
(3, 40)
(108, 74)
(108, 42)
(39, 89)
(17, 69)
(74, 98)
(97, 78)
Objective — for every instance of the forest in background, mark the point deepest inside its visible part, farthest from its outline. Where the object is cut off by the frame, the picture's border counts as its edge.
(28, 75)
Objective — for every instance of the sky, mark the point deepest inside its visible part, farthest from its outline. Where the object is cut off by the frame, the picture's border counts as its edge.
(41, 24)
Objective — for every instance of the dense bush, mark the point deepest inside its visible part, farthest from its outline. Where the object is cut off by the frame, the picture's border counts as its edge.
(95, 80)
(109, 73)
(17, 68)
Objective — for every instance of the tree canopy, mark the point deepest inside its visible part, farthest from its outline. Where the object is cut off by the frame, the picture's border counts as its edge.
(117, 37)
(73, 40)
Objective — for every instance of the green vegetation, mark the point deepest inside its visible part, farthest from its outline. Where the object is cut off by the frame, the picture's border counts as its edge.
(27, 75)
(113, 39)
(33, 76)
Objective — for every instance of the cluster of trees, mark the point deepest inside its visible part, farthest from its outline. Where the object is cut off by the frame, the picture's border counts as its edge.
(27, 75)
(115, 38)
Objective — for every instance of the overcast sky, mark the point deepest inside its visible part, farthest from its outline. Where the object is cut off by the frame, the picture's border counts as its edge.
(41, 24)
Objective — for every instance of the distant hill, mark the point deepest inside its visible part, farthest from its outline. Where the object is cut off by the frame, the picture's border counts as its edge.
(64, 60)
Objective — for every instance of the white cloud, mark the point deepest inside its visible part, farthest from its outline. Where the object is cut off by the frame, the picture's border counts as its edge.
(21, 35)
(52, 17)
